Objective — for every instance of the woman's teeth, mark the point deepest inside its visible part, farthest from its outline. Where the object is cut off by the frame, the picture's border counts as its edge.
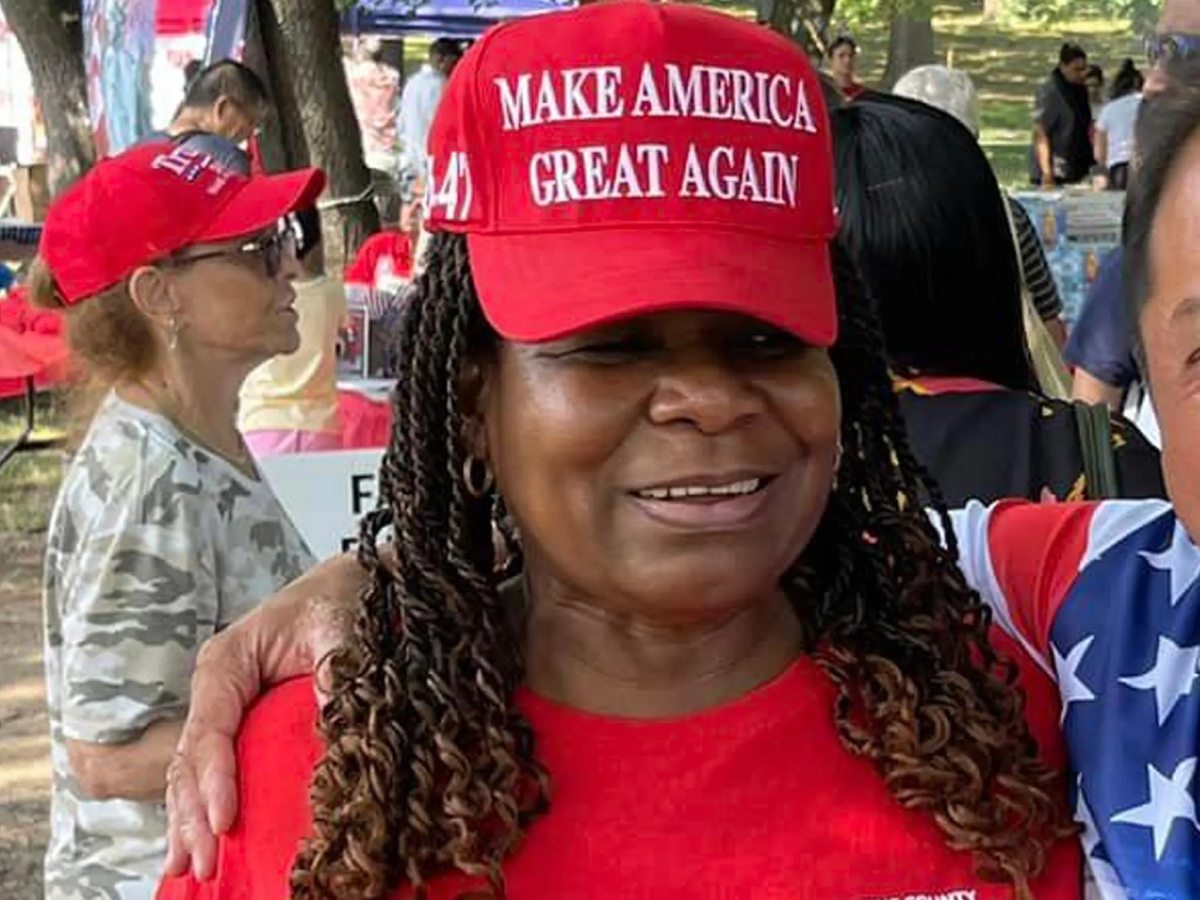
(687, 492)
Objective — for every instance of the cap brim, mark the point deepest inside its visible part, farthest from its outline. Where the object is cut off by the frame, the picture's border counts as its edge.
(262, 201)
(539, 287)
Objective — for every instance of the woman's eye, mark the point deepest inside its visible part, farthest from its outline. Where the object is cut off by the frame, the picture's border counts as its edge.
(770, 342)
(608, 348)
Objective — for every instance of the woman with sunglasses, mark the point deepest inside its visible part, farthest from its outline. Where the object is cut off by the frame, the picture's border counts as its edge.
(174, 277)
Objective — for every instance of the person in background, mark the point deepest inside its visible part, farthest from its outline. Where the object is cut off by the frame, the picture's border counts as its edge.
(843, 62)
(375, 92)
(419, 101)
(1102, 342)
(1062, 123)
(226, 100)
(377, 281)
(1115, 126)
(954, 92)
(970, 400)
(289, 404)
(174, 279)
(1095, 86)
(381, 270)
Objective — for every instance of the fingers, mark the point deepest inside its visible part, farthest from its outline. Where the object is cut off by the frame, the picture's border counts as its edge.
(226, 681)
(201, 785)
(282, 639)
(189, 838)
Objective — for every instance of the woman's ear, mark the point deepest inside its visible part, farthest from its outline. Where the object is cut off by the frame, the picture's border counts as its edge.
(150, 291)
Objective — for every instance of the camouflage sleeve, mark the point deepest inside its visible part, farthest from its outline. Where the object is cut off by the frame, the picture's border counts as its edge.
(138, 597)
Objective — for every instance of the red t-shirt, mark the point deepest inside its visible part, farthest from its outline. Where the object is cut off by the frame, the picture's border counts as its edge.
(756, 799)
(383, 255)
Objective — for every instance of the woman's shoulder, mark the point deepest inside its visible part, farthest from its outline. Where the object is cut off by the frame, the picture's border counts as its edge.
(279, 733)
(277, 750)
(129, 437)
(121, 457)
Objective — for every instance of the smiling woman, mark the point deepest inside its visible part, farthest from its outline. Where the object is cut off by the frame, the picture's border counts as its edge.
(736, 663)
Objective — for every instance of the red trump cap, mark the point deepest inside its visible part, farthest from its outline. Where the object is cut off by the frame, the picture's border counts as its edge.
(142, 205)
(633, 157)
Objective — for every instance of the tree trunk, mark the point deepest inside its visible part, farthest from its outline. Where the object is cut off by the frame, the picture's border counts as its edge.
(992, 9)
(310, 62)
(805, 21)
(778, 15)
(282, 142)
(909, 45)
(56, 64)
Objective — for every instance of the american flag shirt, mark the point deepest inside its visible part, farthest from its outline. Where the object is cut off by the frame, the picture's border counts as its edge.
(1106, 598)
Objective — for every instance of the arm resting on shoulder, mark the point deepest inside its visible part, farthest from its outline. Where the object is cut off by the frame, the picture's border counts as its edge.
(133, 771)
(285, 637)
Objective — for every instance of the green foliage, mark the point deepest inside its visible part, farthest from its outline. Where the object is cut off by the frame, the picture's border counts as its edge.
(868, 12)
(1139, 13)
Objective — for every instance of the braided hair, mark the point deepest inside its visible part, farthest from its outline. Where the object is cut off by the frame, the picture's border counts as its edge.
(429, 765)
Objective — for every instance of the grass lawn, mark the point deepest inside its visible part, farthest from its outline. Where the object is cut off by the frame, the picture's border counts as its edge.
(1008, 63)
(1007, 60)
(28, 482)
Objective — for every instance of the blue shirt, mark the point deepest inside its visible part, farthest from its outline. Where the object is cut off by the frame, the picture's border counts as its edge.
(1101, 342)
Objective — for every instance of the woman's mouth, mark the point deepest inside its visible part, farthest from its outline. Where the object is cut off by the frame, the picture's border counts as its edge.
(713, 505)
(703, 491)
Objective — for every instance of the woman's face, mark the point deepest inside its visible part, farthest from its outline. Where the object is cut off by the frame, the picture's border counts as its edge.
(842, 61)
(671, 466)
(237, 302)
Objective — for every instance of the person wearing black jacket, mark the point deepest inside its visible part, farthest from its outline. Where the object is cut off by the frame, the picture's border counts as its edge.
(1062, 142)
(950, 309)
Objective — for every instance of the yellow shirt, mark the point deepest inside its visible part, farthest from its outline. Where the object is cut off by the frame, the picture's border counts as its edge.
(298, 392)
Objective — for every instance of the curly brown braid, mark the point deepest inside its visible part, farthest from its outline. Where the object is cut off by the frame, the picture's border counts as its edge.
(431, 767)
(890, 618)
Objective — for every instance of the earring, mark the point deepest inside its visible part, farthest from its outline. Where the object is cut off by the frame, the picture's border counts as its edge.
(172, 334)
(477, 485)
(837, 463)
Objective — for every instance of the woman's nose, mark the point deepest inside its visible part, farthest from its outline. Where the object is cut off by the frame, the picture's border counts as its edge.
(708, 393)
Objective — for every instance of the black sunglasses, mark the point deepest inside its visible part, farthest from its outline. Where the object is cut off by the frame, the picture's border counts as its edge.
(1171, 47)
(271, 250)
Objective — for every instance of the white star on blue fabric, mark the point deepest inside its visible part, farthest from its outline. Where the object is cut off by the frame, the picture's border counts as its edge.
(1083, 815)
(1070, 686)
(1169, 801)
(1181, 559)
(1172, 677)
(1107, 882)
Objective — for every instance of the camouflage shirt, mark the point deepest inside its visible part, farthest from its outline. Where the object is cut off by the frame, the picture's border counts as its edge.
(154, 544)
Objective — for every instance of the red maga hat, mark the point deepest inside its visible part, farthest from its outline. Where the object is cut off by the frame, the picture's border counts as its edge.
(632, 157)
(144, 204)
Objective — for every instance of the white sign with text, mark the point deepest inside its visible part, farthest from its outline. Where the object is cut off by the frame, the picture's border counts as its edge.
(325, 494)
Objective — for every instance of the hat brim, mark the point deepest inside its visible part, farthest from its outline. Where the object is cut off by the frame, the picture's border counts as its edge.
(540, 287)
(262, 201)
